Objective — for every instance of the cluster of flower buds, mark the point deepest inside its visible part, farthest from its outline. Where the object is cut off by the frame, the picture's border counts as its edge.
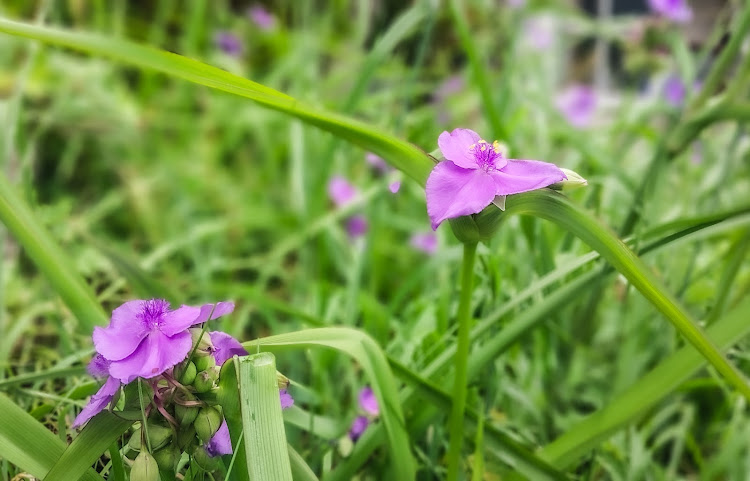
(162, 369)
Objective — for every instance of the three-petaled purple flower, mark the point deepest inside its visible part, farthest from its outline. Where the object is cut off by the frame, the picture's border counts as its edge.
(475, 172)
(675, 10)
(221, 443)
(225, 347)
(145, 338)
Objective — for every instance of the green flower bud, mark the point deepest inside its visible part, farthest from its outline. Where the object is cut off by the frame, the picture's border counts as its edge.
(185, 437)
(479, 227)
(158, 436)
(144, 468)
(185, 373)
(204, 461)
(207, 423)
(167, 457)
(185, 415)
(205, 380)
(573, 181)
(204, 362)
(204, 345)
(282, 380)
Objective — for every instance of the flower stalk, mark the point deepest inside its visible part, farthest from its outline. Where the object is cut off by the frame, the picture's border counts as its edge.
(461, 360)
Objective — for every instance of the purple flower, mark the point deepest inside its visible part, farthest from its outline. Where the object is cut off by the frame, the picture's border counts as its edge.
(341, 191)
(425, 242)
(377, 162)
(145, 338)
(221, 443)
(474, 172)
(674, 91)
(261, 17)
(450, 86)
(368, 402)
(97, 402)
(577, 103)
(394, 186)
(98, 367)
(228, 43)
(538, 32)
(676, 10)
(286, 399)
(358, 427)
(516, 3)
(225, 347)
(356, 226)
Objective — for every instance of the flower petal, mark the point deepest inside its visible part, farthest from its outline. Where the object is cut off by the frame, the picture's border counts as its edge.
(214, 310)
(97, 402)
(156, 353)
(225, 347)
(453, 192)
(286, 399)
(359, 425)
(179, 320)
(98, 367)
(220, 444)
(524, 175)
(124, 333)
(368, 402)
(456, 145)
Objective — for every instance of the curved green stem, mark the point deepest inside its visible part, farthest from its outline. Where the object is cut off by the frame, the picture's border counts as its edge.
(462, 356)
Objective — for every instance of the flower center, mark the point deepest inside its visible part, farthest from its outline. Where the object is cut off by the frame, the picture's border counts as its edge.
(486, 154)
(152, 313)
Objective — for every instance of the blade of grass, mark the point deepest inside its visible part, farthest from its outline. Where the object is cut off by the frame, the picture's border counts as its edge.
(27, 444)
(91, 443)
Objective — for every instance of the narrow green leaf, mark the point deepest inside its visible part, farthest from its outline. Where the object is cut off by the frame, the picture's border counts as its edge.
(300, 470)
(368, 354)
(91, 443)
(403, 155)
(49, 258)
(262, 421)
(644, 394)
(552, 206)
(27, 444)
(228, 397)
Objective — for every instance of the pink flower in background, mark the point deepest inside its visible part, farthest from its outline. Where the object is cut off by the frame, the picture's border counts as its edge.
(356, 226)
(340, 191)
(98, 402)
(474, 172)
(377, 162)
(145, 338)
(261, 17)
(286, 399)
(394, 186)
(538, 32)
(675, 10)
(674, 91)
(368, 402)
(358, 427)
(425, 242)
(221, 443)
(516, 3)
(578, 104)
(225, 347)
(228, 43)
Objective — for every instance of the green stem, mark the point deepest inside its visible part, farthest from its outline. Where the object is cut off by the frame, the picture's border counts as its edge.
(462, 356)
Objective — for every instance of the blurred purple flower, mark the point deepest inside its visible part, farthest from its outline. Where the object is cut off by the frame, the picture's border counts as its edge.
(425, 242)
(97, 402)
(578, 104)
(286, 399)
(145, 338)
(221, 443)
(377, 162)
(675, 10)
(356, 226)
(368, 402)
(449, 87)
(474, 172)
(538, 32)
(674, 91)
(516, 3)
(394, 186)
(358, 427)
(225, 347)
(261, 17)
(228, 43)
(340, 191)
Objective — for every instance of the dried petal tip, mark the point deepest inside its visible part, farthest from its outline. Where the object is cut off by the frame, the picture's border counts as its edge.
(572, 181)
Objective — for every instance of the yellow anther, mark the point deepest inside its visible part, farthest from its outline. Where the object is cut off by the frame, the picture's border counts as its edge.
(496, 146)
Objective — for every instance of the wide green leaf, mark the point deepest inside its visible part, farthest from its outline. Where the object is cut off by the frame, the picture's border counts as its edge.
(368, 354)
